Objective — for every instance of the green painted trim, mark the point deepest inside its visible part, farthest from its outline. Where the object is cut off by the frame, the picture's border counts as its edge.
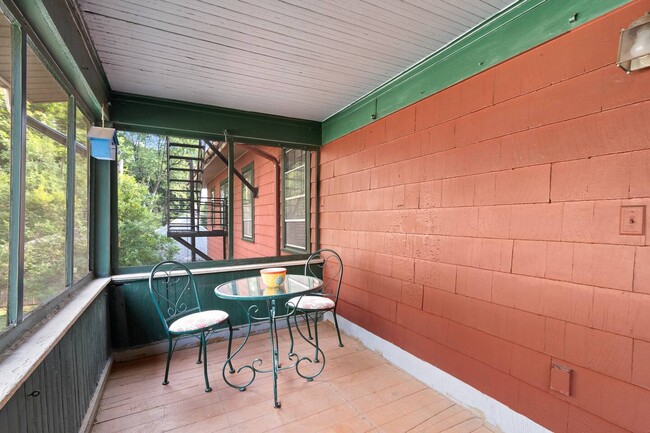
(231, 198)
(168, 117)
(17, 176)
(522, 26)
(102, 216)
(70, 191)
(248, 169)
(53, 26)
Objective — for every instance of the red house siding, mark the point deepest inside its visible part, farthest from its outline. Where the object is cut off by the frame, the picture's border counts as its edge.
(480, 230)
(264, 242)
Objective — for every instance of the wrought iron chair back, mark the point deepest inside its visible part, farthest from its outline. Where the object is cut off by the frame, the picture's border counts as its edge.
(173, 290)
(328, 263)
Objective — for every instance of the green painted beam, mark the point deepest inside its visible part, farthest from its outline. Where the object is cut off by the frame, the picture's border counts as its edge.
(56, 26)
(17, 177)
(522, 26)
(168, 117)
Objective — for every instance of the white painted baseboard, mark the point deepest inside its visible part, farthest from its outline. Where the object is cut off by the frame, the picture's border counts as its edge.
(494, 412)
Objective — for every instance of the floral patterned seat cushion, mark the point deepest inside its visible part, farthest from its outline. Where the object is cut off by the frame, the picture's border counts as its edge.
(312, 302)
(196, 321)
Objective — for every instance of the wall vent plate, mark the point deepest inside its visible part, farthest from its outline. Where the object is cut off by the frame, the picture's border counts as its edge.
(561, 379)
(632, 220)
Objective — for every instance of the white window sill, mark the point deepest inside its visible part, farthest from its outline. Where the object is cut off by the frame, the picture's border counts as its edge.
(215, 270)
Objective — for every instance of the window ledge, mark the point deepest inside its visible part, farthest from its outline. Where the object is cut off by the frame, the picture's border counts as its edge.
(27, 354)
(292, 250)
(214, 270)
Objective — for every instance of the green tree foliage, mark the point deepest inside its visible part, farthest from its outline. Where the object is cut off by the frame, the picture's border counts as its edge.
(45, 189)
(139, 242)
(141, 192)
(143, 156)
(45, 205)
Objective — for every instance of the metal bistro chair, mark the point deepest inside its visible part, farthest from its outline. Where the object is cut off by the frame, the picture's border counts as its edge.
(173, 290)
(329, 262)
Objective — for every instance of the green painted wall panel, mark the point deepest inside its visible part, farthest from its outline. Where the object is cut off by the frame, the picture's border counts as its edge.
(56, 396)
(525, 25)
(134, 321)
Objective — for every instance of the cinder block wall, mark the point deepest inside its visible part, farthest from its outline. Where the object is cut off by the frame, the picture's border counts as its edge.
(480, 230)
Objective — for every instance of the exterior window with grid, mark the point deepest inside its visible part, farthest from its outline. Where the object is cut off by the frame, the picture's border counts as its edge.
(223, 193)
(295, 177)
(44, 253)
(247, 208)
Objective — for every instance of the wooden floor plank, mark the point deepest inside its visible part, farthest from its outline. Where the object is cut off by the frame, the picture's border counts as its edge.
(358, 392)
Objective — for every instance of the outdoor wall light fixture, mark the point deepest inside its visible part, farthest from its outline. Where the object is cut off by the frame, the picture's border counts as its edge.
(634, 48)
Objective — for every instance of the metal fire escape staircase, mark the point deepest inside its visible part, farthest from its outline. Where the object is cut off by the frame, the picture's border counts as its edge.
(189, 214)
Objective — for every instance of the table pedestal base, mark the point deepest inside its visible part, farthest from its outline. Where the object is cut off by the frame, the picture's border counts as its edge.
(255, 366)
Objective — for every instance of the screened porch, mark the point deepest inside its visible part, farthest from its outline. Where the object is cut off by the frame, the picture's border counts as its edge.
(480, 167)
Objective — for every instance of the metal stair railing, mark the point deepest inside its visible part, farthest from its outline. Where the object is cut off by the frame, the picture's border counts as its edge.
(189, 214)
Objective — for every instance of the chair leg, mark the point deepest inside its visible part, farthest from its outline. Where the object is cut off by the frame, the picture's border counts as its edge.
(169, 357)
(308, 327)
(316, 336)
(198, 361)
(290, 333)
(336, 323)
(232, 369)
(277, 340)
(205, 362)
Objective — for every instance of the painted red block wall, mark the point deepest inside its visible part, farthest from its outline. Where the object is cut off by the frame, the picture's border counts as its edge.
(264, 207)
(480, 230)
(263, 244)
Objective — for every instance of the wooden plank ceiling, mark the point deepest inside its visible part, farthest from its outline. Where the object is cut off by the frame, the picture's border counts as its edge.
(299, 58)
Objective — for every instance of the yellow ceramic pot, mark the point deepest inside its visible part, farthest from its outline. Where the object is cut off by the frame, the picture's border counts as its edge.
(273, 277)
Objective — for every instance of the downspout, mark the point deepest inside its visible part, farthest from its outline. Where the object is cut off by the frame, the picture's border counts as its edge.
(276, 164)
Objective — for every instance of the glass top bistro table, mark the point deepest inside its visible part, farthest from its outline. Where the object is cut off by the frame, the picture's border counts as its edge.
(254, 289)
